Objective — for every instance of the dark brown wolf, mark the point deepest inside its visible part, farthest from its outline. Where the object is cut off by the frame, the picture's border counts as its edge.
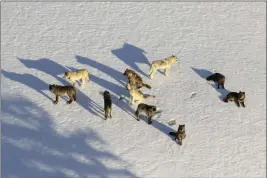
(107, 104)
(217, 78)
(135, 79)
(63, 91)
(236, 97)
(149, 110)
(180, 134)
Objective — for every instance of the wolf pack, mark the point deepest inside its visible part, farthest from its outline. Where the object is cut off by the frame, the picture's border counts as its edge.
(134, 85)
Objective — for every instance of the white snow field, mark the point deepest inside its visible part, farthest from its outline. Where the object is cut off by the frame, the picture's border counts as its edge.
(42, 40)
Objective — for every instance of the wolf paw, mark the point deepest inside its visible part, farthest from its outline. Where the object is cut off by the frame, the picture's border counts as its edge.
(55, 102)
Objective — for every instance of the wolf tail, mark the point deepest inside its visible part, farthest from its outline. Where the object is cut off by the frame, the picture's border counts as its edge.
(151, 69)
(74, 95)
(172, 133)
(147, 86)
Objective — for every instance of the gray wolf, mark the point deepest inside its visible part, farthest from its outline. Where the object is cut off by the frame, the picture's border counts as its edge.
(180, 134)
(107, 104)
(149, 110)
(218, 78)
(63, 91)
(236, 97)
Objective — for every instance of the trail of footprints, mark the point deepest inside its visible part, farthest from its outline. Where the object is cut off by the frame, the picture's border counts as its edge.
(135, 83)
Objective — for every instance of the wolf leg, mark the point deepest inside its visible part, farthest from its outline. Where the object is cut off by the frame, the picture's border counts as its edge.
(131, 100)
(180, 140)
(137, 115)
(106, 114)
(70, 101)
(83, 82)
(222, 86)
(237, 103)
(184, 136)
(149, 120)
(110, 116)
(243, 104)
(166, 71)
(56, 101)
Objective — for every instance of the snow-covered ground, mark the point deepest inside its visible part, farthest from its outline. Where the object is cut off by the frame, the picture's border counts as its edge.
(41, 41)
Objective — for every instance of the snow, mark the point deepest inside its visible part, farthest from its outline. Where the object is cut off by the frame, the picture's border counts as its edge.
(41, 41)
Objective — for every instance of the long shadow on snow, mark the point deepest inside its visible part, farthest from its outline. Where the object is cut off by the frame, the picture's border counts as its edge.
(118, 76)
(114, 88)
(122, 104)
(161, 127)
(131, 55)
(32, 148)
(29, 80)
(54, 69)
(203, 73)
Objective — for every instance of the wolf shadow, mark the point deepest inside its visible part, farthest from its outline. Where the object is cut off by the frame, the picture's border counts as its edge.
(112, 88)
(57, 71)
(28, 80)
(131, 55)
(203, 73)
(117, 75)
(121, 103)
(32, 148)
(158, 125)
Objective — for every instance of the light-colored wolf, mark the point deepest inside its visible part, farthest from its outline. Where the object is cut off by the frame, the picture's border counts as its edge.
(81, 74)
(164, 64)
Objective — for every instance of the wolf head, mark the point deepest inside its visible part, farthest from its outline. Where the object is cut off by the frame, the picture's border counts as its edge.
(106, 94)
(126, 72)
(209, 78)
(241, 95)
(67, 75)
(181, 128)
(51, 87)
(172, 59)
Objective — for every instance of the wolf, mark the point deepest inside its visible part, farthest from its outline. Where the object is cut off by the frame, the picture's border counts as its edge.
(135, 79)
(81, 74)
(107, 104)
(137, 95)
(162, 64)
(218, 78)
(149, 110)
(236, 97)
(63, 90)
(180, 134)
